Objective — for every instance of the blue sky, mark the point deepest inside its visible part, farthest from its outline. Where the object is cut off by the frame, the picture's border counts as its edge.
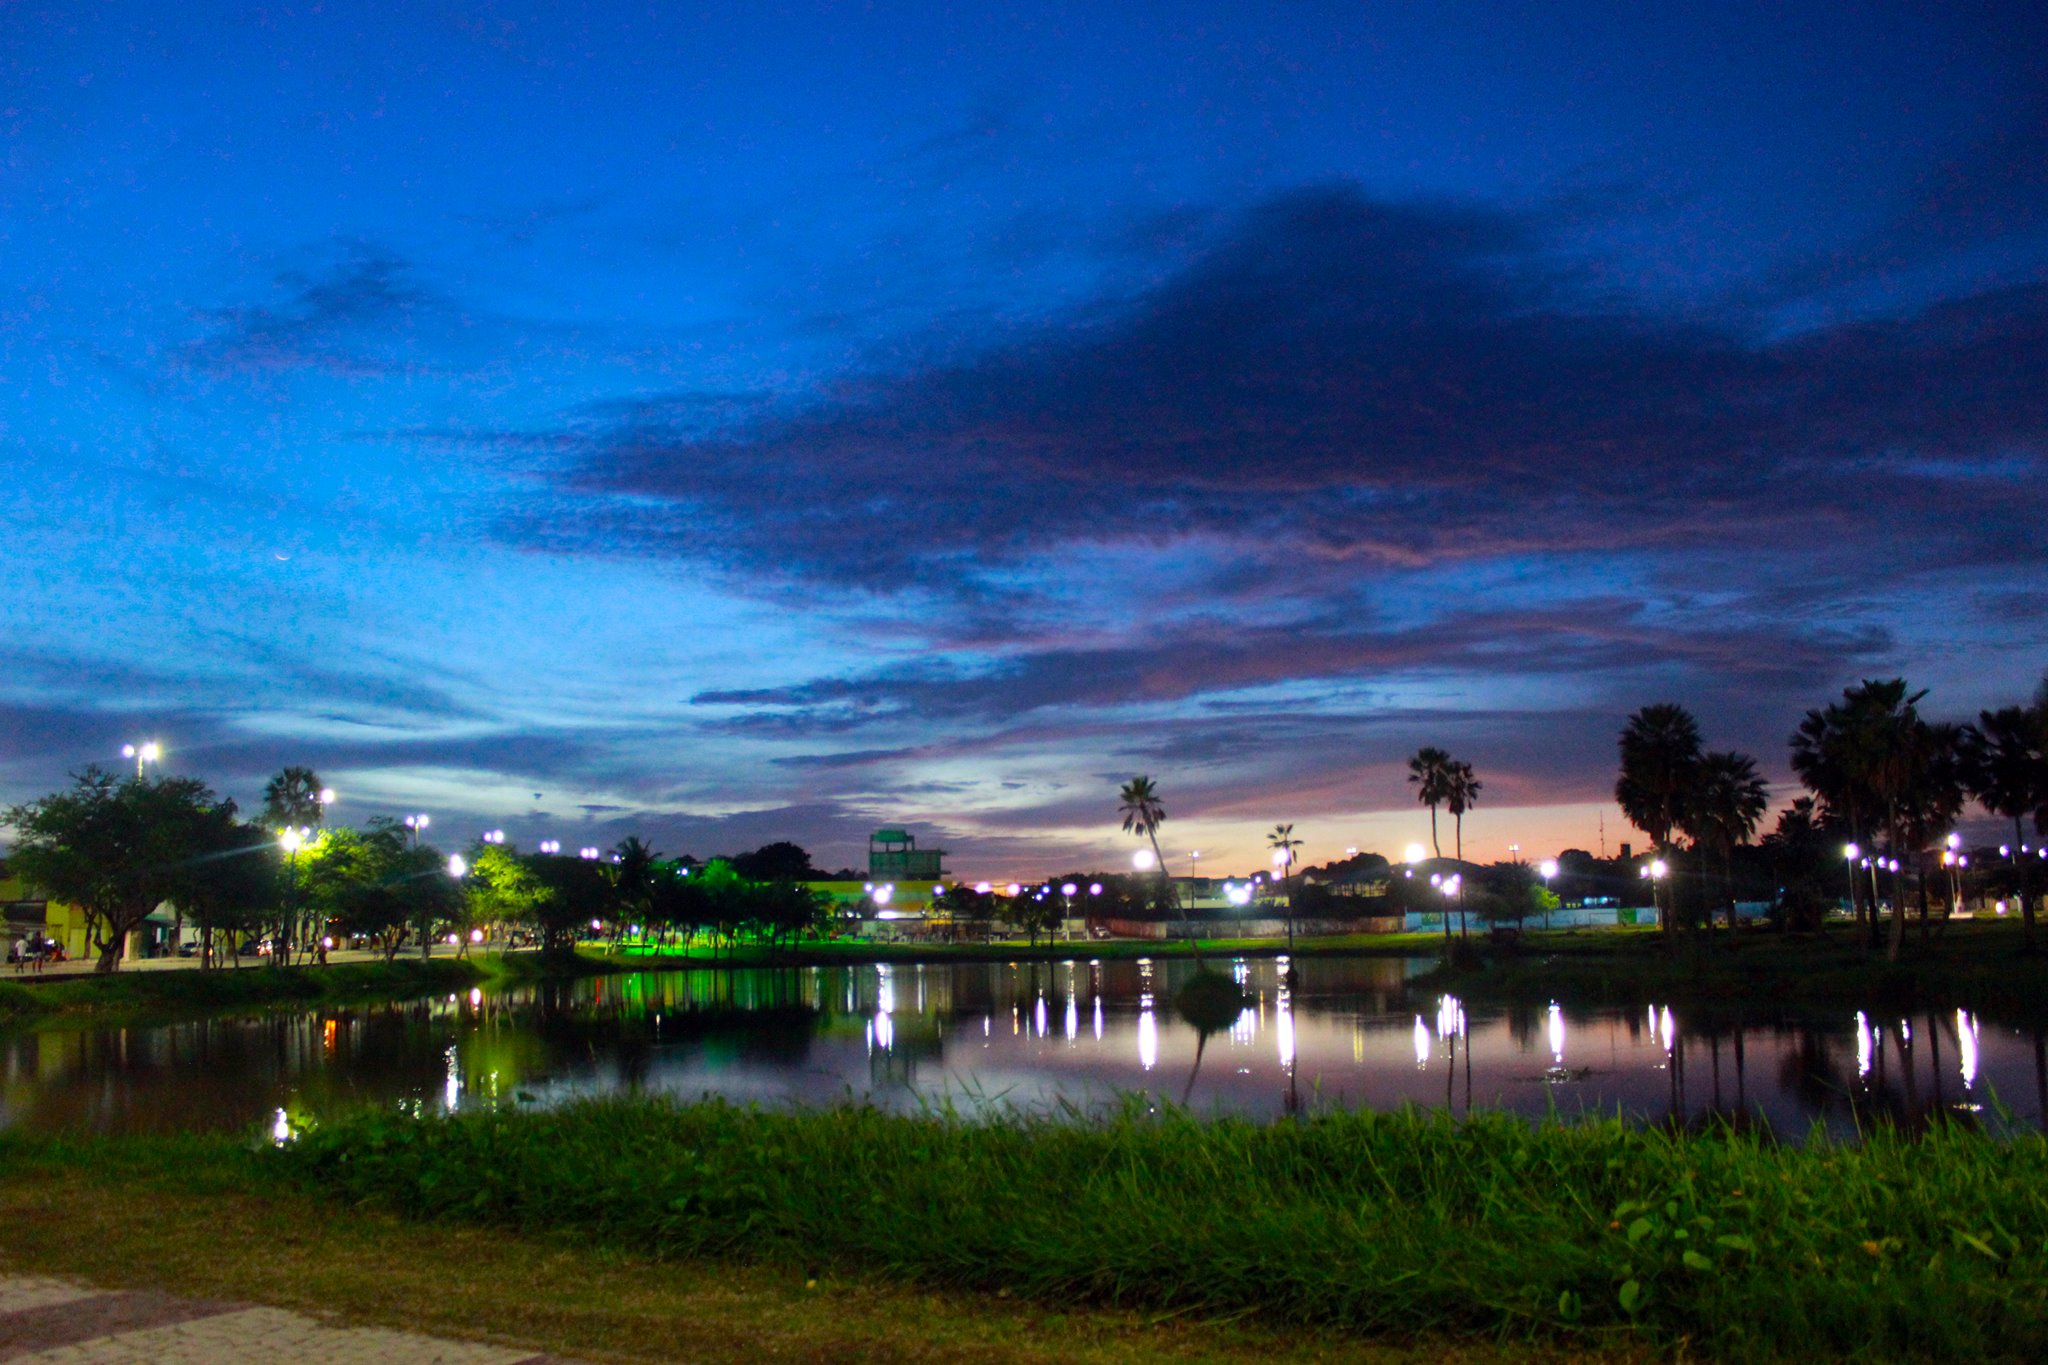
(740, 426)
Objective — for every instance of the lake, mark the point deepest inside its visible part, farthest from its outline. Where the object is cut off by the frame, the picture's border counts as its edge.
(1035, 1035)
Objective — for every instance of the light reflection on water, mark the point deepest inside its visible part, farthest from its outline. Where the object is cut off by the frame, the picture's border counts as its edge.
(1350, 1033)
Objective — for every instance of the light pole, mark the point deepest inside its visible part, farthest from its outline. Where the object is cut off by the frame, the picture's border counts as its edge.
(1849, 855)
(149, 752)
(1547, 869)
(1655, 873)
(417, 823)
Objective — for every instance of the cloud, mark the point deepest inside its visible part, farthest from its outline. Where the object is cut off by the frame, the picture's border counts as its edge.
(1340, 382)
(336, 318)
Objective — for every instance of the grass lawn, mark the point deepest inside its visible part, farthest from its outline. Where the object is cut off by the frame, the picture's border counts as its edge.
(184, 1216)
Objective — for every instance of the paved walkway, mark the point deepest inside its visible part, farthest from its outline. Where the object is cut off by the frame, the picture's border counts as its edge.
(59, 1321)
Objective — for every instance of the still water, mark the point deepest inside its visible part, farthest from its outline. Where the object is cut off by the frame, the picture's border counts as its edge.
(1035, 1035)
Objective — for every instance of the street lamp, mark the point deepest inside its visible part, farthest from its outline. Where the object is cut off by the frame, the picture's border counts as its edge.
(1547, 869)
(1143, 860)
(149, 752)
(416, 823)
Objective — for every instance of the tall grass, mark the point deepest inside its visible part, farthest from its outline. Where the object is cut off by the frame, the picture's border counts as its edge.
(1397, 1223)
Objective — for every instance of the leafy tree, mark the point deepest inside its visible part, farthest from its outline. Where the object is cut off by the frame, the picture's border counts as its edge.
(2004, 763)
(574, 891)
(781, 861)
(1660, 752)
(235, 885)
(1721, 810)
(116, 848)
(1430, 772)
(502, 887)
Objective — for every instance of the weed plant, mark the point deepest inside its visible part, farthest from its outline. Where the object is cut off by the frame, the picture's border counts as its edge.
(1402, 1223)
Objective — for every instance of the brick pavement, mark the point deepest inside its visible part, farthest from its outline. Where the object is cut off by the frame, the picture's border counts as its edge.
(53, 1321)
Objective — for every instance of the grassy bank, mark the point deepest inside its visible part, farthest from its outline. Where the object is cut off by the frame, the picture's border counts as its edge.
(1977, 966)
(159, 996)
(842, 952)
(182, 1214)
(1361, 1223)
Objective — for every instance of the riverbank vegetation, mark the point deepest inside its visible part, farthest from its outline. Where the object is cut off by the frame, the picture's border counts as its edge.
(131, 998)
(1720, 1242)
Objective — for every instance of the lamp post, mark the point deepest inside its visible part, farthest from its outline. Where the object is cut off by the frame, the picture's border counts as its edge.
(1547, 869)
(417, 823)
(149, 752)
(1849, 855)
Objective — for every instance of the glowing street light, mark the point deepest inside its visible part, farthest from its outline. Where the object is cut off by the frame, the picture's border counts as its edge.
(457, 867)
(417, 823)
(1414, 854)
(1143, 860)
(150, 752)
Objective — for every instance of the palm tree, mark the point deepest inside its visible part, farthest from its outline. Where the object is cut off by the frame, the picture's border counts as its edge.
(292, 798)
(1282, 840)
(1461, 793)
(2005, 767)
(1430, 771)
(1660, 753)
(632, 875)
(1930, 808)
(1888, 752)
(1143, 814)
(291, 801)
(1821, 760)
(1727, 799)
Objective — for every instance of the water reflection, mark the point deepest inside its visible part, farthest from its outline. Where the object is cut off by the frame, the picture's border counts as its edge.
(1349, 1033)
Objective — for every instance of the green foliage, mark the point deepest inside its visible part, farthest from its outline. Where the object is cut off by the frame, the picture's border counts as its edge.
(118, 847)
(1728, 1244)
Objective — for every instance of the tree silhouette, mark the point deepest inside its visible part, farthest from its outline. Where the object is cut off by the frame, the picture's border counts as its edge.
(1430, 772)
(2005, 767)
(1282, 841)
(1726, 801)
(1660, 756)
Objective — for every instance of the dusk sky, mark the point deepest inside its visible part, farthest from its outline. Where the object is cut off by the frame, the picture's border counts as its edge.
(729, 423)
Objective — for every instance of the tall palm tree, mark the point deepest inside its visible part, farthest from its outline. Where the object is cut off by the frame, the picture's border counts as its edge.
(1660, 753)
(1143, 814)
(632, 875)
(1888, 753)
(1282, 841)
(1936, 798)
(292, 798)
(1430, 772)
(2005, 767)
(1726, 801)
(1821, 760)
(1461, 793)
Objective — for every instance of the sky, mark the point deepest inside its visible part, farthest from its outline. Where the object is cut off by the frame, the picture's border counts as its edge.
(733, 423)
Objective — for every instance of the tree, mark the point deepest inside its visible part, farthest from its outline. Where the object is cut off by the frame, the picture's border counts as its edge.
(1282, 841)
(116, 848)
(1886, 751)
(781, 861)
(633, 875)
(1660, 751)
(292, 799)
(1144, 814)
(2005, 767)
(1430, 772)
(1726, 800)
(1461, 793)
(234, 885)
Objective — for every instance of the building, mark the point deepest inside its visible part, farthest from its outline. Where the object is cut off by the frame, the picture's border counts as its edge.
(893, 856)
